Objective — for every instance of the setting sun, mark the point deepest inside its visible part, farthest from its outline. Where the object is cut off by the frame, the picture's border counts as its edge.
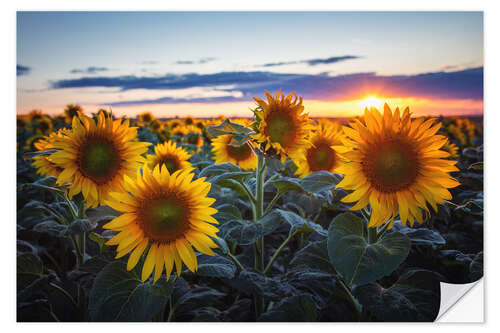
(371, 102)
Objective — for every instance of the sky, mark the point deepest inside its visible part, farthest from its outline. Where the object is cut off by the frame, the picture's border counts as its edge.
(207, 64)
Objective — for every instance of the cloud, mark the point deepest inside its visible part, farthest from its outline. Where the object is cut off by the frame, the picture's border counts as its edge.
(89, 70)
(149, 62)
(22, 70)
(331, 60)
(193, 62)
(311, 62)
(464, 84)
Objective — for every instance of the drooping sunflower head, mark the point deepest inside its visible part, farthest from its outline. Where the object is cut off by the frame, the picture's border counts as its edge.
(320, 155)
(282, 125)
(396, 165)
(164, 215)
(171, 156)
(95, 156)
(227, 151)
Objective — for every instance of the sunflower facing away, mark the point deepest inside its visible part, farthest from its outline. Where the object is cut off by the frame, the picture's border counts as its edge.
(169, 154)
(395, 165)
(320, 155)
(95, 157)
(242, 155)
(170, 213)
(282, 125)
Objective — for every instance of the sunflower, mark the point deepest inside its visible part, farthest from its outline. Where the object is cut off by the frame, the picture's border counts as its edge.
(241, 155)
(43, 125)
(451, 148)
(170, 213)
(193, 136)
(320, 155)
(95, 157)
(169, 154)
(282, 125)
(43, 163)
(395, 165)
(146, 117)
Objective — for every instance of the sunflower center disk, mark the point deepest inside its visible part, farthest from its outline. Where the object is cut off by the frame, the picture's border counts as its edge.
(171, 163)
(193, 139)
(280, 129)
(99, 161)
(321, 157)
(165, 219)
(239, 153)
(392, 166)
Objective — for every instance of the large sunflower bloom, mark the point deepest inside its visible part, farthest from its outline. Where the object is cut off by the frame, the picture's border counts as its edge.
(395, 165)
(242, 155)
(95, 157)
(320, 155)
(169, 154)
(170, 213)
(282, 125)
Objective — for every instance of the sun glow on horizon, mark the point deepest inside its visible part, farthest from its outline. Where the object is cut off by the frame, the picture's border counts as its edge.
(371, 101)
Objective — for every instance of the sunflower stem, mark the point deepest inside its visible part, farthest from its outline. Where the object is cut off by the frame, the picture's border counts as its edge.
(351, 296)
(258, 212)
(382, 230)
(236, 261)
(74, 212)
(372, 235)
(278, 251)
(248, 193)
(272, 203)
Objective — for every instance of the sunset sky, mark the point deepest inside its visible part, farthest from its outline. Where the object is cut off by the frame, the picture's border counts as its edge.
(212, 63)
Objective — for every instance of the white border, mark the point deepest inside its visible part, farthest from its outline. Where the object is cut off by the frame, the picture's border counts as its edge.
(8, 168)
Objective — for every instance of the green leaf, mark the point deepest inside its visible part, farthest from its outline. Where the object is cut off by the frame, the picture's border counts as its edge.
(299, 224)
(414, 297)
(226, 212)
(79, 226)
(358, 261)
(227, 127)
(39, 153)
(118, 295)
(293, 308)
(56, 229)
(246, 232)
(423, 236)
(314, 256)
(476, 267)
(99, 240)
(286, 184)
(29, 269)
(320, 181)
(251, 282)
(216, 266)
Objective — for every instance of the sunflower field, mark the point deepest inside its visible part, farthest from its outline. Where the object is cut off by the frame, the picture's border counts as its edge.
(276, 218)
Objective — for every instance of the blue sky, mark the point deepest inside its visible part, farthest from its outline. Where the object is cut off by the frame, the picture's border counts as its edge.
(153, 60)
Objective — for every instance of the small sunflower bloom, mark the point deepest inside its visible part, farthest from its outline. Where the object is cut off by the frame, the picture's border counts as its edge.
(320, 155)
(170, 155)
(164, 215)
(282, 125)
(396, 165)
(241, 155)
(95, 156)
(44, 165)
